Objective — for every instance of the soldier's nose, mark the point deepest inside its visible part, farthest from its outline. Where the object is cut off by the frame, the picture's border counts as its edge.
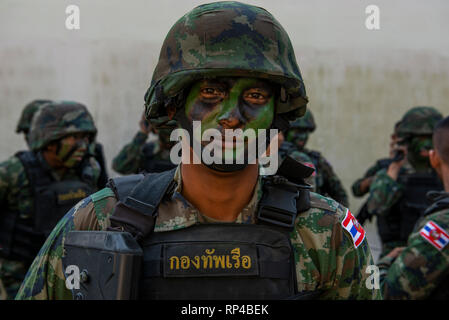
(231, 119)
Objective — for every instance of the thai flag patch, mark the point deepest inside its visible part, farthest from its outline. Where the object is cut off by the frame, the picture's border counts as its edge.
(434, 234)
(354, 228)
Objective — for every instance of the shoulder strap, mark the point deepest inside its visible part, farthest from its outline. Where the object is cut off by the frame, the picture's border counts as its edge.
(36, 175)
(136, 210)
(440, 201)
(284, 195)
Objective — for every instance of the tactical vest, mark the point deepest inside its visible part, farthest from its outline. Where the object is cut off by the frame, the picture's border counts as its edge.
(21, 239)
(205, 261)
(399, 222)
(151, 163)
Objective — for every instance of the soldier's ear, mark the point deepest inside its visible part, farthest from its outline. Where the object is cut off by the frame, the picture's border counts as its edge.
(435, 160)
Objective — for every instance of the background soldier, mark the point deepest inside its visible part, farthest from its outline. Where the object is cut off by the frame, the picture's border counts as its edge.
(24, 126)
(361, 186)
(327, 182)
(140, 156)
(421, 270)
(37, 187)
(398, 194)
(27, 116)
(236, 83)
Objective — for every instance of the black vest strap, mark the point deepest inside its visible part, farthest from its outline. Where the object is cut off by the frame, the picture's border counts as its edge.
(136, 213)
(36, 175)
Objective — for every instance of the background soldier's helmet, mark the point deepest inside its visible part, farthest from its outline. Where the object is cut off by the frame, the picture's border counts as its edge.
(56, 120)
(27, 115)
(418, 121)
(225, 39)
(306, 122)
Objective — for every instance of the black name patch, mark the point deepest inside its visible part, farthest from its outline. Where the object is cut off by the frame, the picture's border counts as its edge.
(210, 259)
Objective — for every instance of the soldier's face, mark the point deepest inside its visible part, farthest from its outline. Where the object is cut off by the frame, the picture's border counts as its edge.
(231, 103)
(72, 149)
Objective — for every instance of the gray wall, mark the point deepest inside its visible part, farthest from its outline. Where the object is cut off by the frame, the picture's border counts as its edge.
(359, 82)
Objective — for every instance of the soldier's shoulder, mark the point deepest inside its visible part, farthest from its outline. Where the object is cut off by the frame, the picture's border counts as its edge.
(440, 218)
(12, 170)
(11, 163)
(323, 212)
(93, 212)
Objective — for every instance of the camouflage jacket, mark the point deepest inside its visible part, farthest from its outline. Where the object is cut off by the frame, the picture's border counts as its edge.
(416, 272)
(327, 182)
(16, 195)
(385, 192)
(325, 255)
(131, 159)
(380, 164)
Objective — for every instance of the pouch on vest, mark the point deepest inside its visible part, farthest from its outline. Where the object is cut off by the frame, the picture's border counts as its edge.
(108, 264)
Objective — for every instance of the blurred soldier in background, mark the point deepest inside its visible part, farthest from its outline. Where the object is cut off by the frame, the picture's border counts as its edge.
(38, 187)
(361, 186)
(398, 194)
(27, 116)
(139, 156)
(421, 270)
(24, 126)
(327, 182)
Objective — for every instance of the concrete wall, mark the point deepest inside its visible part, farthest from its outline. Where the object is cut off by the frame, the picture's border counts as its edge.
(359, 81)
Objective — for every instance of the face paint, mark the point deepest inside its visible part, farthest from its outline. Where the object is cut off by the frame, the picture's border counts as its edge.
(71, 151)
(418, 152)
(230, 103)
(298, 137)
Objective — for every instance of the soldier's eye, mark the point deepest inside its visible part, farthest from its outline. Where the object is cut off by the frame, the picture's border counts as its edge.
(212, 93)
(256, 96)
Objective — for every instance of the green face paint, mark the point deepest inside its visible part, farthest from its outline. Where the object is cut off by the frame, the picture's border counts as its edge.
(71, 152)
(417, 154)
(231, 103)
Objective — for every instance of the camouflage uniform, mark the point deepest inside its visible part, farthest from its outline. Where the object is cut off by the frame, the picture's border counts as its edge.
(326, 256)
(327, 182)
(324, 252)
(380, 164)
(421, 268)
(385, 192)
(140, 156)
(16, 194)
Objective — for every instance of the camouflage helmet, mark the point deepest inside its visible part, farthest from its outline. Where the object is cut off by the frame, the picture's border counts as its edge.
(58, 119)
(418, 121)
(27, 115)
(225, 39)
(306, 122)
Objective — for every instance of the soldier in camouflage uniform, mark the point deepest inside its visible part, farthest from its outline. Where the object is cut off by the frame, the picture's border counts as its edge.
(226, 64)
(27, 116)
(397, 194)
(361, 186)
(29, 181)
(327, 182)
(139, 156)
(421, 270)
